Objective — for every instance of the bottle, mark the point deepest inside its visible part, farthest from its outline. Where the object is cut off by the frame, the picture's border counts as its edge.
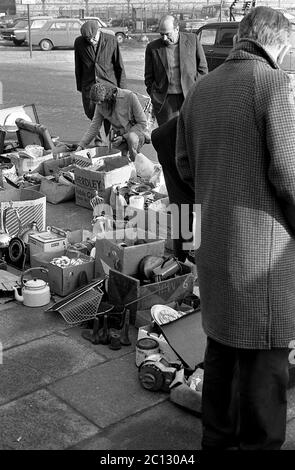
(124, 336)
(29, 231)
(90, 157)
(104, 333)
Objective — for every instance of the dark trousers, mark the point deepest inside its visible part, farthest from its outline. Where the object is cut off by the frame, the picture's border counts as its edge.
(244, 400)
(170, 108)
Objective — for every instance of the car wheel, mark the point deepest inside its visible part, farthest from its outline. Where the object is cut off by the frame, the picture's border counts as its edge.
(46, 45)
(18, 42)
(120, 37)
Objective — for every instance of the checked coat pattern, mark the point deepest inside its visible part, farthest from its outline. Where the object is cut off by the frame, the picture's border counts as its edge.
(236, 149)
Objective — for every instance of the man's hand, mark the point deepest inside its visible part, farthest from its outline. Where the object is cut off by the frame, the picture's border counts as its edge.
(79, 148)
(117, 141)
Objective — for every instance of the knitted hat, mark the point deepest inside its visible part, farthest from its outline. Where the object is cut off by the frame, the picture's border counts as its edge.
(102, 92)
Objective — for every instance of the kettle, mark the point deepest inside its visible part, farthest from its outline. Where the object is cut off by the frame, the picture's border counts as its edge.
(35, 292)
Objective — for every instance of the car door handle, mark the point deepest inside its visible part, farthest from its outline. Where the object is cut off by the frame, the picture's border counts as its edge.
(210, 50)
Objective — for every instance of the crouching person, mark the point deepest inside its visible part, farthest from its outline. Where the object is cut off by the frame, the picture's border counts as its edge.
(123, 110)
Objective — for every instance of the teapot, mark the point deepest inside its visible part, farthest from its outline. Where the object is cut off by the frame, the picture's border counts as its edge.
(35, 292)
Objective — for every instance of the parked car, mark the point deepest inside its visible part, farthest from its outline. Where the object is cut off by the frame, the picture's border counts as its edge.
(57, 32)
(217, 42)
(17, 33)
(121, 32)
(9, 22)
(189, 25)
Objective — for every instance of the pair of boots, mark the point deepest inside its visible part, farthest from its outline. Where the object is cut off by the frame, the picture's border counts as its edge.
(114, 338)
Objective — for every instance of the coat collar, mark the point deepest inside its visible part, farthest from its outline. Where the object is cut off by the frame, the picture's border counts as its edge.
(248, 49)
(182, 41)
(91, 51)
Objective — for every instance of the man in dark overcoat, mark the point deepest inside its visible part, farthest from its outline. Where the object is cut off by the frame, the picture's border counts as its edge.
(173, 63)
(236, 150)
(97, 59)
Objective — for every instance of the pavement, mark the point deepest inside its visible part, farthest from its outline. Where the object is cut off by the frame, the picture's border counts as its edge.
(59, 391)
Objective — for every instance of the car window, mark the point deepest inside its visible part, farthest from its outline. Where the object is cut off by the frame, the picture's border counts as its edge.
(207, 36)
(225, 37)
(74, 25)
(38, 23)
(59, 26)
(21, 24)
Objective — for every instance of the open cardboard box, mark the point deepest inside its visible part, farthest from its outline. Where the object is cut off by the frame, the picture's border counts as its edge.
(117, 250)
(64, 281)
(124, 289)
(96, 178)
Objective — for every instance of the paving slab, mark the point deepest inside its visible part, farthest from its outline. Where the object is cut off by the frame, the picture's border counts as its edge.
(55, 355)
(162, 427)
(18, 379)
(20, 324)
(102, 349)
(40, 421)
(107, 393)
(290, 436)
(291, 403)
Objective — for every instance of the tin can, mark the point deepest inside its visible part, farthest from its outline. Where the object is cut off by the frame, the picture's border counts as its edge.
(144, 348)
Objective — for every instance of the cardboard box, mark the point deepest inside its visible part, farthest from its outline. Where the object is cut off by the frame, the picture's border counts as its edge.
(89, 180)
(81, 240)
(47, 242)
(123, 289)
(53, 165)
(57, 192)
(63, 281)
(118, 251)
(87, 157)
(149, 331)
(24, 165)
(77, 236)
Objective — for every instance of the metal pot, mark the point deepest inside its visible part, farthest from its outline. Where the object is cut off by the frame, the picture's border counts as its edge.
(148, 264)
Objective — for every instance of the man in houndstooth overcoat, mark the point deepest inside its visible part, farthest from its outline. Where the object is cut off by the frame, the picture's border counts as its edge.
(236, 150)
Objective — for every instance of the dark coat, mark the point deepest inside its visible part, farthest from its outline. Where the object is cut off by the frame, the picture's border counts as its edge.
(236, 148)
(192, 64)
(105, 65)
(164, 142)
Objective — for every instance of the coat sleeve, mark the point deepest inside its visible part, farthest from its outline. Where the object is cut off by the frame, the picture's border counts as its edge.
(119, 68)
(93, 129)
(181, 158)
(279, 126)
(138, 116)
(148, 70)
(202, 66)
(78, 67)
